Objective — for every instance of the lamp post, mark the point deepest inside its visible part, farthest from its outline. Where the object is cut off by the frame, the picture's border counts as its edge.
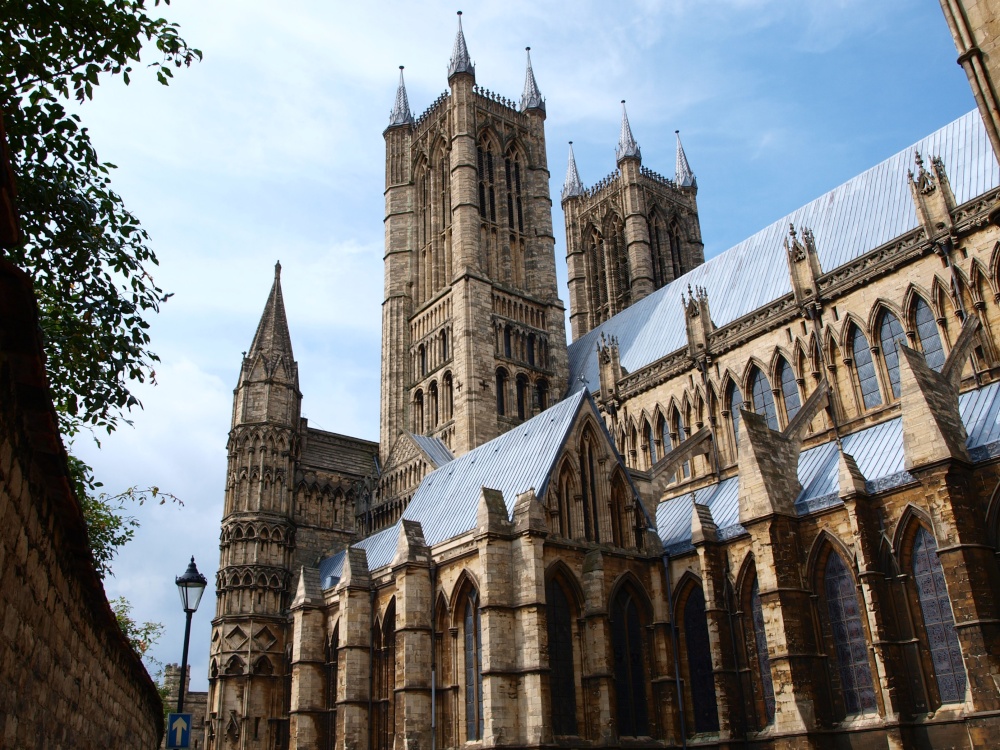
(191, 586)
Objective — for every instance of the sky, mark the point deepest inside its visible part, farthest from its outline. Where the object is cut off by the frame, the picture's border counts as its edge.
(271, 149)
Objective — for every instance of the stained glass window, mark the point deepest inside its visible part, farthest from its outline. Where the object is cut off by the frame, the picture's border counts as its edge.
(563, 682)
(735, 404)
(384, 682)
(763, 400)
(927, 332)
(889, 332)
(946, 654)
(630, 679)
(763, 657)
(849, 642)
(653, 458)
(473, 669)
(699, 655)
(865, 369)
(789, 389)
(680, 434)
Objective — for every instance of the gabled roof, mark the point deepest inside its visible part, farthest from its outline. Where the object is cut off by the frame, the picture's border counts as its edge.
(864, 213)
(447, 499)
(877, 450)
(434, 448)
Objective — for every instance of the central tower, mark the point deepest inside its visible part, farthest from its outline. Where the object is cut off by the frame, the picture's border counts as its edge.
(473, 330)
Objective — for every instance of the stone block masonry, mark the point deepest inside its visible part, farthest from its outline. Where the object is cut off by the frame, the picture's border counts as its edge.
(68, 676)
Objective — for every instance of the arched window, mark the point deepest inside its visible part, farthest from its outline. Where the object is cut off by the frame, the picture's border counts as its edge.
(507, 341)
(735, 400)
(522, 395)
(418, 412)
(487, 188)
(763, 399)
(384, 680)
(444, 345)
(848, 638)
(865, 369)
(331, 688)
(501, 392)
(927, 333)
(432, 397)
(597, 277)
(629, 662)
(531, 350)
(756, 637)
(939, 624)
(542, 394)
(588, 465)
(889, 331)
(700, 679)
(678, 437)
(562, 683)
(448, 402)
(515, 212)
(651, 442)
(473, 668)
(422, 356)
(789, 389)
(565, 499)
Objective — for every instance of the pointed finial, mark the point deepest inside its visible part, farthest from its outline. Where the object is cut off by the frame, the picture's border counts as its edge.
(460, 62)
(627, 147)
(400, 114)
(532, 97)
(277, 270)
(683, 175)
(573, 185)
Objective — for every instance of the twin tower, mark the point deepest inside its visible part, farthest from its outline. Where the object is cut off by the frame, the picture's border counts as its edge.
(473, 344)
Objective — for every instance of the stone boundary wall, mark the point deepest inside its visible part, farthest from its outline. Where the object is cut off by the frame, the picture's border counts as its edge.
(68, 676)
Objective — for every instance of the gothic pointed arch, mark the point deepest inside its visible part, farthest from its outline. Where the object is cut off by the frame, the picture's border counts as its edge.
(564, 495)
(383, 675)
(843, 629)
(863, 365)
(885, 322)
(921, 321)
(629, 615)
(758, 684)
(695, 656)
(563, 610)
(759, 389)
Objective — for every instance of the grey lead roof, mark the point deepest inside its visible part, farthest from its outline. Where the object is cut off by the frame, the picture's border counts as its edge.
(447, 499)
(878, 451)
(864, 213)
(435, 449)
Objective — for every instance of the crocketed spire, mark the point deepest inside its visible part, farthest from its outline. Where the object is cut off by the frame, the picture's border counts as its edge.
(532, 97)
(272, 337)
(400, 114)
(460, 62)
(573, 185)
(627, 147)
(683, 175)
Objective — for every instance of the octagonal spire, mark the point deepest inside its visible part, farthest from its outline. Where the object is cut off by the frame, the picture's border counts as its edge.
(532, 97)
(400, 114)
(627, 146)
(460, 62)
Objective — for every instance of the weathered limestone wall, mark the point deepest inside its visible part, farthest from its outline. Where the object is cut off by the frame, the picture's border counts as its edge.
(68, 676)
(195, 704)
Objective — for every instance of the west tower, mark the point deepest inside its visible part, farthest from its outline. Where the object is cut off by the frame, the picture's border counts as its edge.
(630, 234)
(473, 328)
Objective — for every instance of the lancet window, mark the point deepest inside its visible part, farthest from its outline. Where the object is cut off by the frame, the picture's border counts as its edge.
(502, 378)
(848, 638)
(562, 686)
(865, 369)
(473, 667)
(939, 623)
(927, 334)
(789, 389)
(735, 401)
(699, 675)
(757, 655)
(890, 331)
(763, 399)
(627, 629)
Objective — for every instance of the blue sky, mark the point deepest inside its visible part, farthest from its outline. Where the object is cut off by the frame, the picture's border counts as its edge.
(271, 148)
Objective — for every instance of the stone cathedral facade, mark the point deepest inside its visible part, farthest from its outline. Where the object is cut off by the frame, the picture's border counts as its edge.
(754, 503)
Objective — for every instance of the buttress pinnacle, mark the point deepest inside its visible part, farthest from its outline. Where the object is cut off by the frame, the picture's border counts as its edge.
(532, 97)
(573, 185)
(627, 147)
(400, 114)
(683, 175)
(460, 62)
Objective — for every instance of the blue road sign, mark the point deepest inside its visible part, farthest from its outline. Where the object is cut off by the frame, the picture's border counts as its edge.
(178, 731)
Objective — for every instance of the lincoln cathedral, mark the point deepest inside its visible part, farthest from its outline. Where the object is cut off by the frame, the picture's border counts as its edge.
(755, 502)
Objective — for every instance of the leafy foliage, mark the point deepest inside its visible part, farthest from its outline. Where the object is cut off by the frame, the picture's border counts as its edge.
(142, 635)
(88, 255)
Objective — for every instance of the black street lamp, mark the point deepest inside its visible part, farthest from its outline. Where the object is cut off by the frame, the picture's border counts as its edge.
(191, 586)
